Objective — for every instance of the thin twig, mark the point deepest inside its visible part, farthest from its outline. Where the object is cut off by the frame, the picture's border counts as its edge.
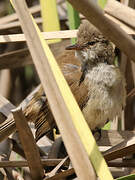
(29, 145)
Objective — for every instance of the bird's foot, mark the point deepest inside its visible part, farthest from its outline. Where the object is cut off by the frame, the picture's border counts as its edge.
(97, 134)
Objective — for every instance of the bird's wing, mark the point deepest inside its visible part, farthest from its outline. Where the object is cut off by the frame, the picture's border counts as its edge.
(72, 74)
(71, 69)
(45, 121)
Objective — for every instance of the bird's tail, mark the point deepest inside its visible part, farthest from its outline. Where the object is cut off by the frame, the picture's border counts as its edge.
(7, 128)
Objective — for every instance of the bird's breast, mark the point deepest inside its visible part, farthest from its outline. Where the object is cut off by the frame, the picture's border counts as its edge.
(107, 94)
(106, 85)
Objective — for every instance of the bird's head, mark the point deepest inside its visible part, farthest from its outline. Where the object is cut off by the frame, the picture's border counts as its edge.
(92, 47)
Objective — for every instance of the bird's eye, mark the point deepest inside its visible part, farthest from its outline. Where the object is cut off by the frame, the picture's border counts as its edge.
(91, 43)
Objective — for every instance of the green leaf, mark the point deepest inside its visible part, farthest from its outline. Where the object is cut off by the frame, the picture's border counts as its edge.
(129, 177)
(102, 3)
(74, 19)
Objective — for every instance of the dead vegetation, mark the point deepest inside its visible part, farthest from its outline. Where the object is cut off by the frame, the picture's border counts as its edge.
(48, 159)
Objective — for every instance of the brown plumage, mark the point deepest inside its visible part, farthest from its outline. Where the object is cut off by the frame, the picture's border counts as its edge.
(97, 84)
(38, 110)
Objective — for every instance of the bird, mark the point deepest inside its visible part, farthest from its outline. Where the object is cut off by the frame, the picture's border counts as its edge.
(97, 84)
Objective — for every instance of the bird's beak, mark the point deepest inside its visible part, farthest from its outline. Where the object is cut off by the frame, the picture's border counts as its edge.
(75, 47)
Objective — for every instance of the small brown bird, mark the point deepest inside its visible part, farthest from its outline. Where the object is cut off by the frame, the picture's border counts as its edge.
(97, 84)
